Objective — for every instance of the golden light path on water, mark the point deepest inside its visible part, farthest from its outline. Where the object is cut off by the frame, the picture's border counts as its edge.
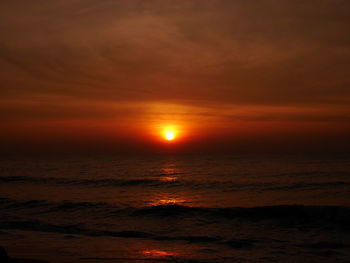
(155, 253)
(169, 174)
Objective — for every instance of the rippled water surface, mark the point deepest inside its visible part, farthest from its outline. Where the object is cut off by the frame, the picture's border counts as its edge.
(243, 208)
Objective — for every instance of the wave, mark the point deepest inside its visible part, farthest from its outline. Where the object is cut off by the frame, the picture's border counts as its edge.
(44, 216)
(65, 206)
(74, 231)
(69, 229)
(83, 182)
(313, 173)
(78, 230)
(339, 215)
(159, 182)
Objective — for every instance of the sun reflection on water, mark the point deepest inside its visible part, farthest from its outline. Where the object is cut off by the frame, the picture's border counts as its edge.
(158, 253)
(168, 169)
(169, 172)
(169, 178)
(167, 201)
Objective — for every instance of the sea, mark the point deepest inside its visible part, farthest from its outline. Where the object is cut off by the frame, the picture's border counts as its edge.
(176, 208)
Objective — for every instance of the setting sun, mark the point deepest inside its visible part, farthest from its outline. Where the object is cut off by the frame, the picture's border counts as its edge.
(169, 135)
(169, 132)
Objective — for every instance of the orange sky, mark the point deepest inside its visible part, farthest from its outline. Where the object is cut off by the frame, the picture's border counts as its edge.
(230, 75)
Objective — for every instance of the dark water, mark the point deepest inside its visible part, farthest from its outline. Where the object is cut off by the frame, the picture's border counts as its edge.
(177, 208)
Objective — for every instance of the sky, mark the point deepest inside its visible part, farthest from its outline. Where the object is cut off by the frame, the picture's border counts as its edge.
(227, 75)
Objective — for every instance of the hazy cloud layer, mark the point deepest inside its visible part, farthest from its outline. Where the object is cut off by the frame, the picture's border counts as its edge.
(81, 59)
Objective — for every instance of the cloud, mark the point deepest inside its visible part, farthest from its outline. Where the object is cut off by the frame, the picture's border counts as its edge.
(218, 61)
(239, 51)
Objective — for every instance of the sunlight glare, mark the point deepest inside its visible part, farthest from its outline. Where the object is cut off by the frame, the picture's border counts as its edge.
(169, 135)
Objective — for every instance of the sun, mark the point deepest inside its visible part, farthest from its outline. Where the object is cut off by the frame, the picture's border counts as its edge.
(169, 135)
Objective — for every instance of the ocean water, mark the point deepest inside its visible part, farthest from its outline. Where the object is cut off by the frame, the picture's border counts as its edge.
(207, 208)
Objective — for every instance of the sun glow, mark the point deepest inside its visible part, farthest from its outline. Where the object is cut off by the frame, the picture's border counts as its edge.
(169, 135)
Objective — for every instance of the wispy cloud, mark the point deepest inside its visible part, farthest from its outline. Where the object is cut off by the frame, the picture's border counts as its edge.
(208, 55)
